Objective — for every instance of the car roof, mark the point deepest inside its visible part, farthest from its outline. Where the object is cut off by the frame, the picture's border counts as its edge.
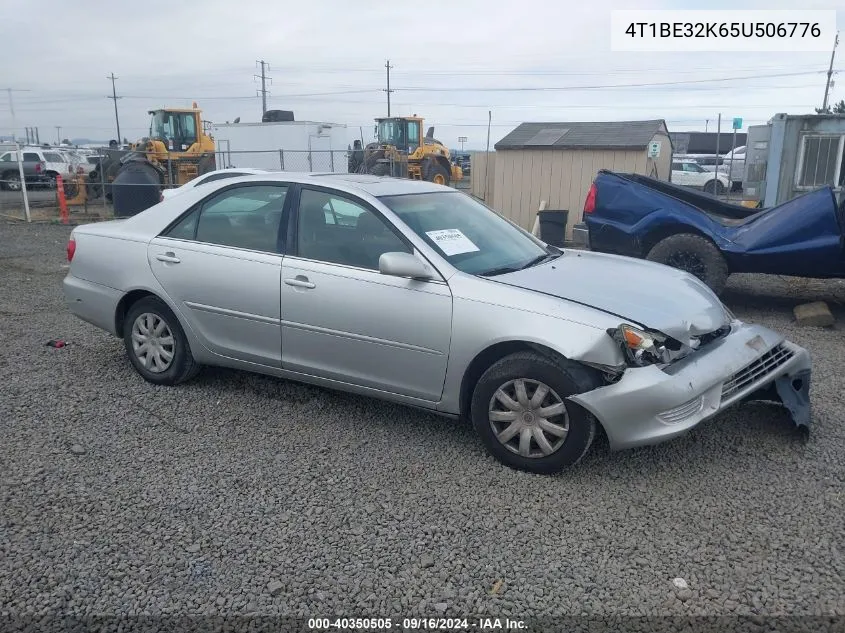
(374, 185)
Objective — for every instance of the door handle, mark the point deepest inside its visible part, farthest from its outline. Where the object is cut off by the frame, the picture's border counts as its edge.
(300, 282)
(168, 257)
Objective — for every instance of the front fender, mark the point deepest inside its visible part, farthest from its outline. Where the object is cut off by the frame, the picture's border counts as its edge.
(575, 332)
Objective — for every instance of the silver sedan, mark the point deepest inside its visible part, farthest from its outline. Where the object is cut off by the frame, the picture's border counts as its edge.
(421, 295)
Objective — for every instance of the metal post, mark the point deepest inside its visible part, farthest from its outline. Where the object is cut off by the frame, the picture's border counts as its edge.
(331, 159)
(103, 187)
(19, 156)
(731, 166)
(487, 154)
(718, 138)
(282, 159)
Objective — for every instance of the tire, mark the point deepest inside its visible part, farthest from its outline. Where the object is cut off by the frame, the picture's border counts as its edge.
(563, 378)
(12, 181)
(51, 179)
(380, 169)
(182, 366)
(206, 164)
(693, 254)
(436, 173)
(714, 186)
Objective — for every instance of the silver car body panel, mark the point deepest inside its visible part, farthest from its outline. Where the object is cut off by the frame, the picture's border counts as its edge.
(412, 342)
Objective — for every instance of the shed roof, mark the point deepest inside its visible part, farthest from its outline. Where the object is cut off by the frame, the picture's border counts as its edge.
(583, 135)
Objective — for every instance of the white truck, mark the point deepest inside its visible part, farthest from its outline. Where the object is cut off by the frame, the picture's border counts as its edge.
(282, 146)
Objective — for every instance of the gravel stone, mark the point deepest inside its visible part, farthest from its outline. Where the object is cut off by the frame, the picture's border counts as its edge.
(77, 449)
(440, 607)
(231, 462)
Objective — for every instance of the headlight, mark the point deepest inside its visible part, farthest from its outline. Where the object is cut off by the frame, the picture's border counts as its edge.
(641, 348)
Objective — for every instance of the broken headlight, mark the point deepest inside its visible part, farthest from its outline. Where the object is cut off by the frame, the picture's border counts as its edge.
(641, 348)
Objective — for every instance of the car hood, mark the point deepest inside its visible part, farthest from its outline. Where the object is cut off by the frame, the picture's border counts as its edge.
(648, 294)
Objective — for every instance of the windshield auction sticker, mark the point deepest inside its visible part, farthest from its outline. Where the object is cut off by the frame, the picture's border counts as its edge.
(452, 241)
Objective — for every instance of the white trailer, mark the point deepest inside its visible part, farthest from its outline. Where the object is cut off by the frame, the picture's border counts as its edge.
(283, 146)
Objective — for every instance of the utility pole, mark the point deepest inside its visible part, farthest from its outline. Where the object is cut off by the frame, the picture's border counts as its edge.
(114, 98)
(9, 91)
(830, 72)
(264, 79)
(58, 134)
(706, 125)
(388, 90)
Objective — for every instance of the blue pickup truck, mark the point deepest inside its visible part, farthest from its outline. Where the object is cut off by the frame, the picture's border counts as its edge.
(637, 216)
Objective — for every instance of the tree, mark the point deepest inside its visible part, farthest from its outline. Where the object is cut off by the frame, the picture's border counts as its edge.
(838, 108)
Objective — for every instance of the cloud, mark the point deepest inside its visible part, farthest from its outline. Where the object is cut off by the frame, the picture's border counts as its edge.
(446, 58)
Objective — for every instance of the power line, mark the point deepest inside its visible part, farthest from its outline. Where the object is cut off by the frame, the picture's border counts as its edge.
(264, 67)
(602, 86)
(114, 98)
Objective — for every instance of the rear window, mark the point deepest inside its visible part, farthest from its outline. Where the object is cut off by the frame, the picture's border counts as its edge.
(54, 157)
(31, 156)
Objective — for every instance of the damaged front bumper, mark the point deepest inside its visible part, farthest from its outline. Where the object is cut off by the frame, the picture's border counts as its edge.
(649, 405)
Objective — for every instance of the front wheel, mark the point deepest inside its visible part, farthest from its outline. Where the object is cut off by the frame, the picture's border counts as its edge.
(520, 411)
(437, 174)
(156, 344)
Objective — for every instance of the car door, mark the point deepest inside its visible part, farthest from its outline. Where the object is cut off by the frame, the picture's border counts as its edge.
(342, 319)
(220, 264)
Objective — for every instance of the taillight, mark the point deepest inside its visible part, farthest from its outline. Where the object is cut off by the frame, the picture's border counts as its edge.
(590, 202)
(71, 249)
(39, 167)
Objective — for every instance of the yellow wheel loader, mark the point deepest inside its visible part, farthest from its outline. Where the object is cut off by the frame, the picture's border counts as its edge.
(177, 150)
(402, 151)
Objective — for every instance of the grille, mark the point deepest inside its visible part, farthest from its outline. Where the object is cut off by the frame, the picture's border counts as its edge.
(673, 416)
(750, 374)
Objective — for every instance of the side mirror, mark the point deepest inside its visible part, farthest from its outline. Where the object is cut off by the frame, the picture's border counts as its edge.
(404, 265)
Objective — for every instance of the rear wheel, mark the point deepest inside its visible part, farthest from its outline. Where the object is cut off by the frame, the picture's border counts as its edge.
(51, 179)
(520, 411)
(156, 344)
(714, 186)
(693, 254)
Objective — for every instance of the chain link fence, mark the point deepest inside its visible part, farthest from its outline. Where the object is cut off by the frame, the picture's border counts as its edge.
(88, 190)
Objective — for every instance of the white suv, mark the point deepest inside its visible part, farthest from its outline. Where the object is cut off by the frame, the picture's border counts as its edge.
(690, 174)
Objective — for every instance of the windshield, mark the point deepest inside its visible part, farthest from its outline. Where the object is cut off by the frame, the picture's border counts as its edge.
(473, 238)
(391, 132)
(178, 127)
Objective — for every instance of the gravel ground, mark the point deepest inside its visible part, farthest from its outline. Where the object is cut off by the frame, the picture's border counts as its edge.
(240, 494)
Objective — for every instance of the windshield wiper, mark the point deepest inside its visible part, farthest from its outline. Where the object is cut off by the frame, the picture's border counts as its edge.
(498, 271)
(540, 259)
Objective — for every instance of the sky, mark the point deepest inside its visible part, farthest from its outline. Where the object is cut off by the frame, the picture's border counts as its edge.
(453, 62)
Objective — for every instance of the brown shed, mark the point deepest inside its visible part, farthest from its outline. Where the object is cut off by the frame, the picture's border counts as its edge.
(556, 162)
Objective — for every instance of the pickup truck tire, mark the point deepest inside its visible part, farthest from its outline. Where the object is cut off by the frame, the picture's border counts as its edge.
(714, 186)
(11, 181)
(693, 254)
